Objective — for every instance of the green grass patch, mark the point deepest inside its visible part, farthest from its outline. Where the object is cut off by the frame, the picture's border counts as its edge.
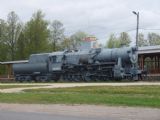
(146, 96)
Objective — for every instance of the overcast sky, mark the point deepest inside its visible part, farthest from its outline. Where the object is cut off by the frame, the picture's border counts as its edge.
(97, 17)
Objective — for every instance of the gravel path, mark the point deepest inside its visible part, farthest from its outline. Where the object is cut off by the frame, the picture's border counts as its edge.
(63, 85)
(89, 111)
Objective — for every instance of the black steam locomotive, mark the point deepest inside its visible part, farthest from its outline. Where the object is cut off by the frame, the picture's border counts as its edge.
(86, 65)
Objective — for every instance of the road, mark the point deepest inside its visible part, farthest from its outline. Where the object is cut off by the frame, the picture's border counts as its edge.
(10, 115)
(75, 112)
(62, 85)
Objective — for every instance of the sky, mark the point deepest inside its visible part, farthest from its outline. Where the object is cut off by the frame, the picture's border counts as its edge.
(95, 17)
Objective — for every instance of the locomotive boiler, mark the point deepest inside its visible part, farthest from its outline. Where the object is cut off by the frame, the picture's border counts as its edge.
(85, 65)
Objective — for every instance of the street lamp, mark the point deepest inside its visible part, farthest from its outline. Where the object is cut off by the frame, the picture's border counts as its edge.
(137, 14)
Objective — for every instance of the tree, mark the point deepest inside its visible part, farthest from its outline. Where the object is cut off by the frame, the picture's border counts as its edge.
(141, 40)
(13, 31)
(3, 46)
(77, 38)
(36, 34)
(56, 34)
(66, 44)
(154, 39)
(3, 38)
(21, 46)
(3, 31)
(124, 39)
(112, 41)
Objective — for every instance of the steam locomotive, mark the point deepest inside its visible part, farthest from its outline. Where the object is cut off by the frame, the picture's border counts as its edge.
(84, 65)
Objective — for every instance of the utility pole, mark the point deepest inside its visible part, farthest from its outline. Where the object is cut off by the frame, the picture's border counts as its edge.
(137, 14)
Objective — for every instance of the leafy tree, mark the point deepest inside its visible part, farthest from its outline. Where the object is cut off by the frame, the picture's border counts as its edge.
(66, 44)
(3, 31)
(124, 39)
(21, 46)
(14, 29)
(112, 42)
(56, 34)
(141, 40)
(3, 38)
(3, 45)
(36, 34)
(154, 39)
(77, 38)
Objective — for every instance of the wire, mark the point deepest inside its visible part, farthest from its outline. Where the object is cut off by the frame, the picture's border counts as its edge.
(150, 29)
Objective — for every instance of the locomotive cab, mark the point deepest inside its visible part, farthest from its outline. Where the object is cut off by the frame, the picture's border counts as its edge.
(55, 61)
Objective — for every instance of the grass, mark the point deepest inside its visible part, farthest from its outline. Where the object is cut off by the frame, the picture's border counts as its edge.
(146, 96)
(18, 86)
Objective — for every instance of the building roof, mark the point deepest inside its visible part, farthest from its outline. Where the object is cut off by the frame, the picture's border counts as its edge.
(149, 49)
(13, 62)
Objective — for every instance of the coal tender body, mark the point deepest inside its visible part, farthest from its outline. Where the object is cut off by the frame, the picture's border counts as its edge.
(87, 65)
(35, 69)
(40, 68)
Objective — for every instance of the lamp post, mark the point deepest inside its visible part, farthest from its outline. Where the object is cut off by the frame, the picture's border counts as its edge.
(137, 14)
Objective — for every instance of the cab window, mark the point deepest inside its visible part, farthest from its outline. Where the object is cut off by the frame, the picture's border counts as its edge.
(57, 59)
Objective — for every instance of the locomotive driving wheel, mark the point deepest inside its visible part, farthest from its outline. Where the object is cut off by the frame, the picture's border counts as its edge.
(76, 78)
(87, 77)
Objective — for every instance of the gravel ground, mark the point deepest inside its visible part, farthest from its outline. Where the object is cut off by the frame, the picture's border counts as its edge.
(90, 111)
(63, 85)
